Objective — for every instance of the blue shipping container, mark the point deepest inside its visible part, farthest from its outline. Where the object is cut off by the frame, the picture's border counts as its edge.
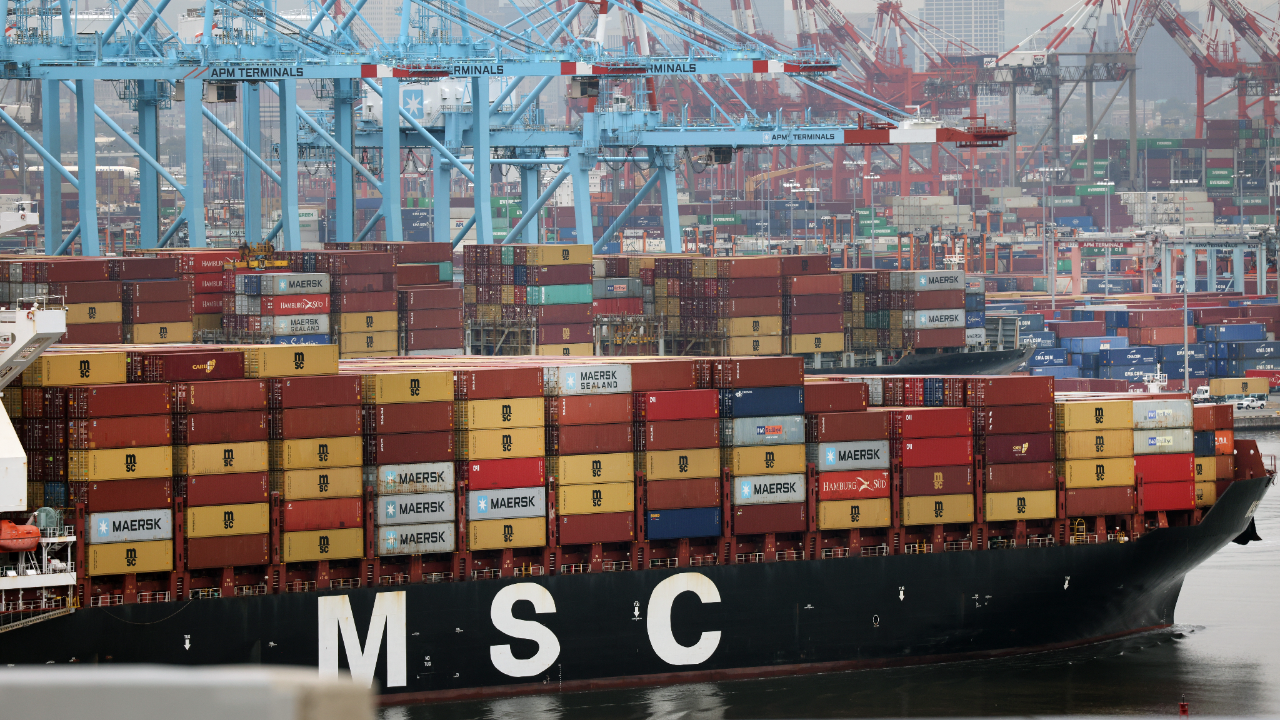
(1251, 349)
(689, 522)
(1030, 323)
(1197, 351)
(317, 339)
(1094, 344)
(1043, 339)
(1118, 318)
(1138, 355)
(759, 402)
(974, 301)
(1132, 373)
(1235, 333)
(1202, 443)
(1237, 368)
(1057, 372)
(1195, 368)
(975, 320)
(1047, 357)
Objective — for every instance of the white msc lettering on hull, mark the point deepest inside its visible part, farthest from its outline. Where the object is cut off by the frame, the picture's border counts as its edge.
(337, 621)
(659, 620)
(508, 624)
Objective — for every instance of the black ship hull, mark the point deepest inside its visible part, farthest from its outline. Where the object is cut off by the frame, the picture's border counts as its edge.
(463, 639)
(985, 362)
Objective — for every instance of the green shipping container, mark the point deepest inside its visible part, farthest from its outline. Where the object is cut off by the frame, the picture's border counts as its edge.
(1218, 172)
(1062, 201)
(446, 270)
(862, 212)
(1220, 182)
(506, 200)
(1159, 144)
(558, 294)
(891, 231)
(1095, 189)
(1064, 266)
(725, 220)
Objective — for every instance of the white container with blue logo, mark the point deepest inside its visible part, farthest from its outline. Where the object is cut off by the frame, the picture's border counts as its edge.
(1156, 414)
(1163, 441)
(770, 430)
(768, 489)
(920, 280)
(507, 504)
(416, 508)
(420, 539)
(586, 379)
(411, 478)
(852, 455)
(130, 526)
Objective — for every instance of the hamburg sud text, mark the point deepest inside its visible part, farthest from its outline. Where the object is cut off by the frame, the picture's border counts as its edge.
(388, 629)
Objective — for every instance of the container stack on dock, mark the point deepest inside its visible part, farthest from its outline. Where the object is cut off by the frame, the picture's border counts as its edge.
(1164, 454)
(813, 306)
(1095, 443)
(431, 321)
(93, 299)
(934, 449)
(546, 287)
(1213, 472)
(1014, 449)
(362, 300)
(861, 310)
(678, 452)
(927, 310)
(279, 308)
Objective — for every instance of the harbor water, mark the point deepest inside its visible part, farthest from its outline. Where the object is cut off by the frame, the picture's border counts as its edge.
(1223, 655)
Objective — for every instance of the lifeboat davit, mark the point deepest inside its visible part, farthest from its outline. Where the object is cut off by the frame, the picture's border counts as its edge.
(18, 538)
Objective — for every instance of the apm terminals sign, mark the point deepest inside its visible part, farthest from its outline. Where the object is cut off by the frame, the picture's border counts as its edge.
(804, 137)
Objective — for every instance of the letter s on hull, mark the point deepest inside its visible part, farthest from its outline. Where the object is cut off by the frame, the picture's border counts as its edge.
(337, 621)
(505, 622)
(659, 619)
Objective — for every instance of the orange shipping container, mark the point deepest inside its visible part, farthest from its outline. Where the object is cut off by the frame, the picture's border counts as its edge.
(1165, 335)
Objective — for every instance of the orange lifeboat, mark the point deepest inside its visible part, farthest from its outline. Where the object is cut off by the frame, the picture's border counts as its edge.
(18, 538)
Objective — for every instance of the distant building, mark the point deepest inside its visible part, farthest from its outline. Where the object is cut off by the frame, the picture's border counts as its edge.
(977, 22)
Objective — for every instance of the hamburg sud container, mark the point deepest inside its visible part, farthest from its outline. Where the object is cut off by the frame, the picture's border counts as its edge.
(590, 446)
(762, 431)
(1013, 433)
(851, 498)
(1095, 458)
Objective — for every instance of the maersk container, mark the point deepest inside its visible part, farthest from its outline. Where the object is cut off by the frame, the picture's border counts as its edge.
(1196, 351)
(854, 455)
(769, 430)
(294, 284)
(586, 379)
(768, 489)
(1138, 355)
(1048, 357)
(1252, 350)
(683, 523)
(1163, 441)
(412, 478)
(130, 526)
(1094, 344)
(506, 504)
(418, 539)
(1132, 373)
(295, 325)
(1235, 333)
(927, 280)
(933, 319)
(762, 401)
(432, 507)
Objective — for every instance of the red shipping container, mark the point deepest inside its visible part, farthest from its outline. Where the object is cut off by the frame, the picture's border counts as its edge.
(1020, 448)
(94, 401)
(335, 421)
(1088, 502)
(314, 391)
(431, 319)
(143, 268)
(835, 397)
(748, 287)
(1165, 468)
(841, 427)
(1224, 416)
(119, 432)
(813, 324)
(1009, 390)
(508, 473)
(371, 283)
(97, 291)
(186, 366)
(760, 266)
(218, 396)
(155, 291)
(947, 480)
(1167, 496)
(1020, 477)
(444, 339)
(430, 298)
(233, 551)
(942, 337)
(853, 485)
(929, 422)
(417, 274)
(728, 373)
(590, 439)
(354, 263)
(141, 313)
(403, 448)
(565, 314)
(813, 304)
(558, 334)
(597, 528)
(275, 305)
(1226, 466)
(654, 374)
(1163, 335)
(558, 275)
(408, 417)
(365, 302)
(676, 494)
(805, 264)
(748, 307)
(1085, 328)
(71, 270)
(205, 261)
(329, 514)
(677, 405)
(1202, 418)
(93, 334)
(118, 495)
(493, 383)
(1224, 442)
(618, 306)
(222, 427)
(1155, 318)
(933, 300)
(206, 283)
(209, 304)
(757, 519)
(813, 285)
(1009, 419)
(590, 409)
(678, 435)
(927, 452)
(234, 489)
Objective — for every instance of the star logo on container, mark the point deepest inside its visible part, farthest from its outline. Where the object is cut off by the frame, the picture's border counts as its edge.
(831, 457)
(572, 381)
(102, 528)
(482, 503)
(746, 489)
(391, 539)
(391, 508)
(412, 100)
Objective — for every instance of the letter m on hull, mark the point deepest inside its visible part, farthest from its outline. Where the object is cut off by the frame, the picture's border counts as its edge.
(337, 621)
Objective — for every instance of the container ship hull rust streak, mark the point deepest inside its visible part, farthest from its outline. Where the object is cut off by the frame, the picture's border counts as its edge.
(456, 640)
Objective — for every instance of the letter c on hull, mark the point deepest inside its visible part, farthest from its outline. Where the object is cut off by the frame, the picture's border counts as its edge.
(659, 619)
(506, 623)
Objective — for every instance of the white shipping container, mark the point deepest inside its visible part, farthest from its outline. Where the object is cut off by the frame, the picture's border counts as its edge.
(768, 489)
(1154, 414)
(875, 389)
(1162, 441)
(410, 478)
(295, 284)
(586, 379)
(295, 324)
(931, 319)
(418, 539)
(506, 504)
(415, 508)
(130, 526)
(921, 280)
(975, 336)
(852, 455)
(770, 430)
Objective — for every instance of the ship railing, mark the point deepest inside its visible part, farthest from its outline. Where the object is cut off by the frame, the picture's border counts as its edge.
(1117, 537)
(57, 531)
(1084, 539)
(250, 590)
(300, 586)
(835, 552)
(532, 570)
(204, 594)
(396, 579)
(666, 562)
(1041, 541)
(741, 558)
(46, 603)
(161, 596)
(575, 568)
(920, 548)
(956, 545)
(787, 555)
(875, 550)
(344, 583)
(436, 577)
(486, 574)
(999, 543)
(52, 568)
(615, 565)
(703, 560)
(106, 600)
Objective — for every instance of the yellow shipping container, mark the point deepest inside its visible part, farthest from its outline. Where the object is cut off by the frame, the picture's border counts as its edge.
(368, 322)
(1206, 494)
(775, 460)
(508, 443)
(344, 355)
(1086, 444)
(334, 452)
(318, 483)
(816, 342)
(126, 558)
(496, 534)
(680, 464)
(1093, 415)
(307, 545)
(407, 387)
(1206, 469)
(584, 469)
(274, 361)
(1221, 387)
(524, 412)
(937, 509)
(771, 345)
(87, 313)
(598, 498)
(847, 514)
(220, 459)
(752, 326)
(160, 333)
(73, 368)
(120, 464)
(1103, 472)
(363, 342)
(206, 321)
(223, 520)
(559, 255)
(1035, 505)
(569, 350)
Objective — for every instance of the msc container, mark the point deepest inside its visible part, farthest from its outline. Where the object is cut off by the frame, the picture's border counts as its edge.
(499, 414)
(1165, 468)
(130, 557)
(1087, 502)
(322, 514)
(937, 509)
(267, 361)
(411, 478)
(398, 418)
(1012, 419)
(1162, 441)
(495, 444)
(76, 368)
(318, 483)
(1102, 472)
(311, 545)
(414, 508)
(927, 452)
(586, 379)
(680, 434)
(1093, 444)
(505, 504)
(120, 464)
(95, 401)
(944, 480)
(1093, 415)
(1206, 494)
(407, 387)
(845, 426)
(221, 427)
(408, 448)
(589, 439)
(775, 460)
(119, 432)
(596, 498)
(757, 519)
(1151, 414)
(220, 458)
(218, 396)
(234, 551)
(590, 409)
(1179, 495)
(500, 474)
(853, 455)
(675, 494)
(1037, 447)
(1008, 390)
(1032, 505)
(330, 421)
(330, 452)
(597, 468)
(679, 464)
(596, 528)
(1221, 387)
(220, 520)
(1020, 477)
(682, 523)
(1206, 468)
(849, 514)
(514, 533)
(129, 526)
(677, 405)
(421, 539)
(117, 495)
(771, 430)
(234, 489)
(762, 401)
(853, 485)
(319, 391)
(768, 489)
